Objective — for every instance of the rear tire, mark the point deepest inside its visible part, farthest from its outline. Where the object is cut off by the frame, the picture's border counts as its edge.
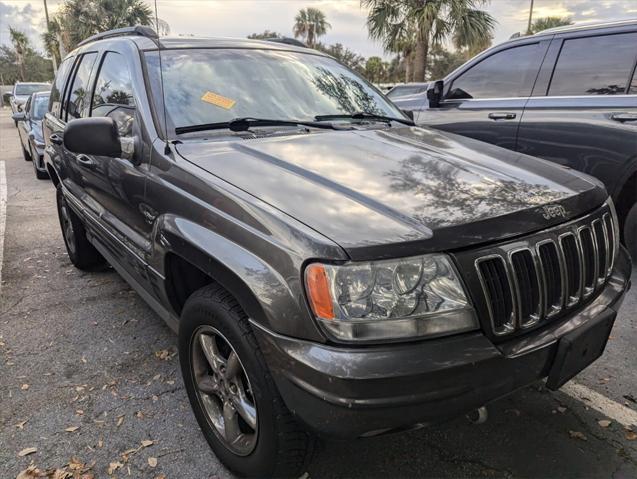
(630, 231)
(276, 446)
(81, 252)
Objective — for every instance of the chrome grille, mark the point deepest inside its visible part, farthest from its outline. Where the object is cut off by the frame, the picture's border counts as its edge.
(530, 281)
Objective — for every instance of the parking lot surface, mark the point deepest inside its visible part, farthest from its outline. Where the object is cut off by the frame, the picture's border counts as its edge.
(89, 378)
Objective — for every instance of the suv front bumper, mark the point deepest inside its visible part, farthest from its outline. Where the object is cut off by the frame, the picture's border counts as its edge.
(353, 392)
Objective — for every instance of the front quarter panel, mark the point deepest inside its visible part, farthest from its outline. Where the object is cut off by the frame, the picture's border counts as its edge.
(252, 249)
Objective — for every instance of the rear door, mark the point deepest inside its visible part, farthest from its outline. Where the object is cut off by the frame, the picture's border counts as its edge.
(583, 113)
(485, 99)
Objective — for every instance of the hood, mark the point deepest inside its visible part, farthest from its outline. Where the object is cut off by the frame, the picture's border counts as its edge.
(398, 191)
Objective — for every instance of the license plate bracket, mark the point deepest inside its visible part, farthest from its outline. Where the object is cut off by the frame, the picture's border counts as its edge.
(578, 349)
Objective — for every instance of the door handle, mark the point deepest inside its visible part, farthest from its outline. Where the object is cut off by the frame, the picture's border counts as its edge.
(502, 115)
(56, 139)
(624, 117)
(85, 161)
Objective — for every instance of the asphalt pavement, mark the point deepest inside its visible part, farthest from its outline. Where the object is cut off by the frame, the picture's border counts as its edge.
(89, 378)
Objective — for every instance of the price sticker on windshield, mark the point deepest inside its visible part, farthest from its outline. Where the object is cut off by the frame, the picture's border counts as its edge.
(218, 100)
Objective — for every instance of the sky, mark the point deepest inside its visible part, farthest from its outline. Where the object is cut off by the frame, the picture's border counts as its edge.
(239, 18)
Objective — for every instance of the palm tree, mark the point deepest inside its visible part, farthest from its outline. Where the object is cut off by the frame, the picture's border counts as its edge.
(309, 24)
(549, 22)
(427, 24)
(79, 19)
(21, 46)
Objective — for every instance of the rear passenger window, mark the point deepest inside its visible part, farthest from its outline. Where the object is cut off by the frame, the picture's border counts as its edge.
(509, 73)
(594, 65)
(57, 90)
(113, 95)
(78, 95)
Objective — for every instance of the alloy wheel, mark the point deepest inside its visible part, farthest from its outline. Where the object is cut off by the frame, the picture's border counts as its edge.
(224, 391)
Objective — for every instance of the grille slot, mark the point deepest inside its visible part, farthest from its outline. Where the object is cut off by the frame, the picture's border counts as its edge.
(610, 235)
(589, 259)
(602, 249)
(527, 287)
(495, 281)
(550, 261)
(572, 265)
(528, 281)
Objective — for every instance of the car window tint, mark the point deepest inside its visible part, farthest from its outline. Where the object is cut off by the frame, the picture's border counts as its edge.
(113, 94)
(594, 65)
(78, 92)
(27, 107)
(509, 73)
(55, 101)
(39, 106)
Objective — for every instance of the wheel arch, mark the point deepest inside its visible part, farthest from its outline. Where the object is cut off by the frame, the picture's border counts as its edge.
(185, 250)
(626, 195)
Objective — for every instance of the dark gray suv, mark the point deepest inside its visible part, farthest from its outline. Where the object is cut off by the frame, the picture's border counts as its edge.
(330, 268)
(568, 95)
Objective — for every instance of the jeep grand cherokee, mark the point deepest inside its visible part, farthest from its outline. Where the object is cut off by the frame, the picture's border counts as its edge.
(329, 267)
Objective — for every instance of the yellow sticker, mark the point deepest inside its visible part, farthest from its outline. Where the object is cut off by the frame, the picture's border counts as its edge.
(218, 100)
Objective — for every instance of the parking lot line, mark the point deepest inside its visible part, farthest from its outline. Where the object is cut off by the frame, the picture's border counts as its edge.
(3, 213)
(613, 410)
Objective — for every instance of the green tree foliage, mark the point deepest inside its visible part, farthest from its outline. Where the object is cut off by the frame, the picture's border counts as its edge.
(419, 25)
(441, 62)
(375, 69)
(34, 67)
(344, 55)
(549, 22)
(265, 35)
(77, 20)
(310, 24)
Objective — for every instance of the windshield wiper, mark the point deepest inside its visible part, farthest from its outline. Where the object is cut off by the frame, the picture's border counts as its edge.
(244, 124)
(362, 115)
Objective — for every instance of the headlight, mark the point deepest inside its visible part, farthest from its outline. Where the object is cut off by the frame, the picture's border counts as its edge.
(389, 299)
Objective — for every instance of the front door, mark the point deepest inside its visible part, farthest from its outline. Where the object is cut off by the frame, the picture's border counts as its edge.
(486, 99)
(114, 187)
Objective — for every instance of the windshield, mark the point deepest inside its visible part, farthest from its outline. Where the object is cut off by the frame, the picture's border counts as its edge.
(218, 85)
(39, 106)
(27, 89)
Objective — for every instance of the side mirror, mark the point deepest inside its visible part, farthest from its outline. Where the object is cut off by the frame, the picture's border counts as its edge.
(93, 136)
(409, 113)
(434, 93)
(7, 97)
(19, 116)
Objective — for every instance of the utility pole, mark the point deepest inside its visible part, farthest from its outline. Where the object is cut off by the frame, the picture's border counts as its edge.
(48, 29)
(528, 28)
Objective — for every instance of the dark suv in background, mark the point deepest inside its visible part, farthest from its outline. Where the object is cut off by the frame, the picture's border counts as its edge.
(329, 267)
(568, 95)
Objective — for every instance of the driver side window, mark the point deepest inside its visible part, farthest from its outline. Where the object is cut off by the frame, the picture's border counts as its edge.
(113, 95)
(506, 74)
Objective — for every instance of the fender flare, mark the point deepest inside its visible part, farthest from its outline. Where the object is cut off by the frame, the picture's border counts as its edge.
(266, 297)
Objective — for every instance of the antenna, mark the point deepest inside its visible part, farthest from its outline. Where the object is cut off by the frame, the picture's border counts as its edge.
(161, 81)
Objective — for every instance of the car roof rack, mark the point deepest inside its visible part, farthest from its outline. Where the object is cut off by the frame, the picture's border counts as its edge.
(139, 30)
(287, 41)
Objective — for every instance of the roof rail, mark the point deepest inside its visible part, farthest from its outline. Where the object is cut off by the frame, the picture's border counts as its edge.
(287, 41)
(120, 32)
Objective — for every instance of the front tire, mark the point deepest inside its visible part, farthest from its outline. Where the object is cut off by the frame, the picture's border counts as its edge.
(232, 393)
(81, 252)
